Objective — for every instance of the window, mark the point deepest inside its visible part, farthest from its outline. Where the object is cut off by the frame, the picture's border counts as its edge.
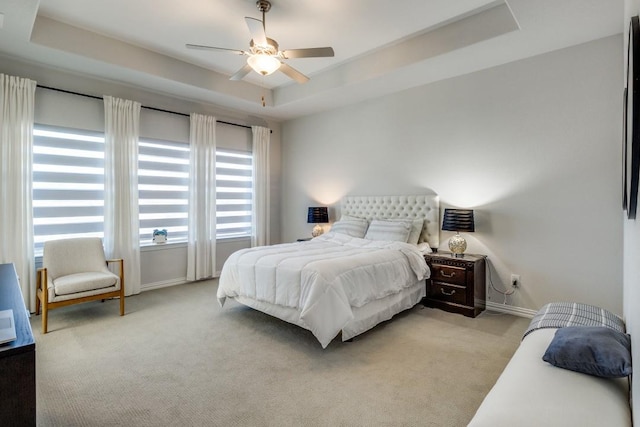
(68, 184)
(163, 182)
(68, 187)
(234, 189)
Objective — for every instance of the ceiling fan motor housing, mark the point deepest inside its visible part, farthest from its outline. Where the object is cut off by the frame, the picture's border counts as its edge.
(263, 5)
(270, 49)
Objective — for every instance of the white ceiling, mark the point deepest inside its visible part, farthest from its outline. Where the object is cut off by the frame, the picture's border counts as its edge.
(381, 46)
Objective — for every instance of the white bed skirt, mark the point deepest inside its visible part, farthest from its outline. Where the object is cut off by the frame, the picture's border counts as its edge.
(365, 317)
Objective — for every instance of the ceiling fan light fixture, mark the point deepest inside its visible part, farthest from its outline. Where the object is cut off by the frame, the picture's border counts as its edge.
(263, 64)
(264, 55)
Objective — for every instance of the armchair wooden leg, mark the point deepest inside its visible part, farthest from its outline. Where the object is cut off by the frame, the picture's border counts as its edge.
(121, 287)
(45, 314)
(37, 300)
(42, 297)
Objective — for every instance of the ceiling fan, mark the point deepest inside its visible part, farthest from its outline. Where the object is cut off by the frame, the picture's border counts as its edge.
(264, 56)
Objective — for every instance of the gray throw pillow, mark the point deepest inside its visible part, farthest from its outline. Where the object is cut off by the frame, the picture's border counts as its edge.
(593, 350)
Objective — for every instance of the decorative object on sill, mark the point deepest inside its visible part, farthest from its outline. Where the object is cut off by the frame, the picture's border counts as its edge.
(160, 236)
(317, 215)
(458, 220)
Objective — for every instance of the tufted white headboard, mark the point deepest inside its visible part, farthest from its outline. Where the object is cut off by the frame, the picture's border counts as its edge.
(419, 206)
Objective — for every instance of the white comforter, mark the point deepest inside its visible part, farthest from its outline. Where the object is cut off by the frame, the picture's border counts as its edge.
(322, 278)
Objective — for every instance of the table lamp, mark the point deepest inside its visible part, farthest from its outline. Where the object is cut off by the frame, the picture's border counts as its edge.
(317, 215)
(458, 220)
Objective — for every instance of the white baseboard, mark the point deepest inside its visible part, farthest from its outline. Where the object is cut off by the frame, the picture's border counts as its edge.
(509, 309)
(163, 284)
(172, 282)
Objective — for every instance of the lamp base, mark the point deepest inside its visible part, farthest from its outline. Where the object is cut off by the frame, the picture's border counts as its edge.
(457, 245)
(317, 230)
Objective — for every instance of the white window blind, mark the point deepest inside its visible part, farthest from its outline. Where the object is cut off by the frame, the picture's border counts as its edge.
(234, 189)
(68, 184)
(163, 180)
(68, 187)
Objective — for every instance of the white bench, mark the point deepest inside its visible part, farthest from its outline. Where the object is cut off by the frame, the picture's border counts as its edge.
(532, 392)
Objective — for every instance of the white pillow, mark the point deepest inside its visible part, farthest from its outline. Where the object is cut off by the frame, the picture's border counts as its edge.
(355, 227)
(416, 228)
(424, 248)
(354, 218)
(381, 229)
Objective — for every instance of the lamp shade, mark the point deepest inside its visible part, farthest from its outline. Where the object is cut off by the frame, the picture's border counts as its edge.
(263, 64)
(458, 220)
(318, 215)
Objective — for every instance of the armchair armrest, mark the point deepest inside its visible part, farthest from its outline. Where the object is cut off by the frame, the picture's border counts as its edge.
(121, 272)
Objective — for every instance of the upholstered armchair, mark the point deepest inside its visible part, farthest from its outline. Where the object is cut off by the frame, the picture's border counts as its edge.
(75, 271)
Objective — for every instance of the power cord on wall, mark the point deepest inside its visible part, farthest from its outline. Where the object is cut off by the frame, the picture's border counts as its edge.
(505, 293)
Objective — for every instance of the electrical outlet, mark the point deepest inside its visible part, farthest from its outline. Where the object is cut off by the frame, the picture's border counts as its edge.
(515, 280)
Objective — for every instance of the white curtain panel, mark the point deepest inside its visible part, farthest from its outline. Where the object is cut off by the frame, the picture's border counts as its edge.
(261, 219)
(201, 246)
(121, 219)
(16, 157)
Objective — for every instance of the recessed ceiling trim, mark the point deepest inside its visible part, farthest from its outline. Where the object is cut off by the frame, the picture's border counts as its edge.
(473, 28)
(57, 35)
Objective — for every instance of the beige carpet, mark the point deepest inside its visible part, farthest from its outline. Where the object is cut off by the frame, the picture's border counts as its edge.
(177, 359)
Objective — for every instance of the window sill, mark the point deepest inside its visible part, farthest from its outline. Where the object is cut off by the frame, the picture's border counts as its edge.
(166, 246)
(176, 245)
(162, 246)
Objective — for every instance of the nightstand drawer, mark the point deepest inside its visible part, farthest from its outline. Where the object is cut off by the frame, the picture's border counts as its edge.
(449, 274)
(450, 293)
(457, 284)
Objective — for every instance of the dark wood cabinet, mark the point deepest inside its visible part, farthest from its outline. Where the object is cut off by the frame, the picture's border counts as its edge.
(456, 284)
(17, 358)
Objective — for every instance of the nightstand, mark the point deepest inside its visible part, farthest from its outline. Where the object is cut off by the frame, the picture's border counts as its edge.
(457, 285)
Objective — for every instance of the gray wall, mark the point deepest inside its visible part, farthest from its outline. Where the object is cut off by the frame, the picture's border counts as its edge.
(533, 146)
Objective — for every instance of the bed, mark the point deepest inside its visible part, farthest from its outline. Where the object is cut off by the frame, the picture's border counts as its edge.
(340, 283)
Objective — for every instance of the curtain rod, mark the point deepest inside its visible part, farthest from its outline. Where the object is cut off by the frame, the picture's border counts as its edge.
(142, 106)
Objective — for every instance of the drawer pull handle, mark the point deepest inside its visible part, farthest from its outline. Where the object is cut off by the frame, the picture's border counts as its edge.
(453, 274)
(447, 293)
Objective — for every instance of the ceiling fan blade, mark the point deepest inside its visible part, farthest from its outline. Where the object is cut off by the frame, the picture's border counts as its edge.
(256, 28)
(201, 47)
(239, 75)
(293, 73)
(313, 52)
